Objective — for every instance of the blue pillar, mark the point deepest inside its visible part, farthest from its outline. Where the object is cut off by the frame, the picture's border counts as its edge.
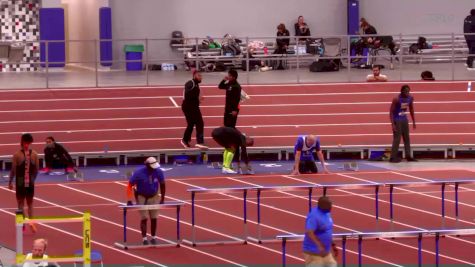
(353, 17)
(105, 33)
(52, 29)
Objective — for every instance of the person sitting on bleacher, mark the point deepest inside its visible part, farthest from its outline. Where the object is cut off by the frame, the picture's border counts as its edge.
(364, 42)
(282, 43)
(301, 28)
(56, 156)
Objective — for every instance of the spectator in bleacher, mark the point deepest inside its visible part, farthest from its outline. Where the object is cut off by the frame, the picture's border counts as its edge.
(144, 185)
(401, 105)
(376, 76)
(24, 170)
(253, 62)
(282, 43)
(318, 246)
(191, 108)
(56, 156)
(364, 42)
(427, 76)
(304, 159)
(37, 253)
(469, 27)
(301, 28)
(233, 97)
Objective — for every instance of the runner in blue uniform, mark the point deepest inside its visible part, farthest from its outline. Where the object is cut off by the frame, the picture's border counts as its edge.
(401, 105)
(304, 159)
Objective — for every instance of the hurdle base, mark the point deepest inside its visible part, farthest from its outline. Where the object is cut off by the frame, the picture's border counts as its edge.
(214, 243)
(141, 246)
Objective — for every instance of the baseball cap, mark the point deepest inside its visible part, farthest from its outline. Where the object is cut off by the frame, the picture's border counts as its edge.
(152, 162)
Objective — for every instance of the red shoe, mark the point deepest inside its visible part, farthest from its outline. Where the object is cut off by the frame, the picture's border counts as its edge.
(33, 227)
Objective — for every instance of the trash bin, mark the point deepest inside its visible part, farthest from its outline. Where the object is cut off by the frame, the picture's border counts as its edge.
(133, 52)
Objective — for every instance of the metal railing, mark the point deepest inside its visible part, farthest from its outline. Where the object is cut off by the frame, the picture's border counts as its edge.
(159, 50)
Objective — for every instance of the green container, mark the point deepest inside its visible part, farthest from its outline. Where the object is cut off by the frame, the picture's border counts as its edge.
(134, 48)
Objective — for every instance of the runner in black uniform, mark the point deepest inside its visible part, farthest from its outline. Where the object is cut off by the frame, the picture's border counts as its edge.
(235, 144)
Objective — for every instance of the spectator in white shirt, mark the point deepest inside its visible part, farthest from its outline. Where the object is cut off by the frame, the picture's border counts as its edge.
(376, 76)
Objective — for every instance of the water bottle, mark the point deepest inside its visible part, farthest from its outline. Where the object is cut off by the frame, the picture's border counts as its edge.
(266, 50)
(469, 89)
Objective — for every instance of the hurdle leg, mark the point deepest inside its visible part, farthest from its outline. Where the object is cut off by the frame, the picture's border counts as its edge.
(284, 241)
(391, 212)
(443, 204)
(178, 237)
(310, 189)
(343, 251)
(360, 245)
(437, 239)
(125, 227)
(419, 250)
(457, 202)
(193, 231)
(259, 232)
(245, 216)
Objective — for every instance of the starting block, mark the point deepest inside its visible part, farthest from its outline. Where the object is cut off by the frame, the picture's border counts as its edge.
(75, 176)
(351, 166)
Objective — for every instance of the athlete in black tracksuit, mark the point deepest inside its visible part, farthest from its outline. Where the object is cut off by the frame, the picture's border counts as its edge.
(191, 109)
(233, 96)
(469, 27)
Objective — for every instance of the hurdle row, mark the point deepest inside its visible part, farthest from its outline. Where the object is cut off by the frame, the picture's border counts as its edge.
(437, 233)
(311, 189)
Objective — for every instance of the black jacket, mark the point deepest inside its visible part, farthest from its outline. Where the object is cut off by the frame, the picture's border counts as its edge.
(304, 32)
(469, 27)
(233, 95)
(282, 42)
(230, 137)
(57, 152)
(191, 95)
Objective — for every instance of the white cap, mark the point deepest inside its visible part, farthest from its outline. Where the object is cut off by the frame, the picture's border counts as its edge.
(152, 162)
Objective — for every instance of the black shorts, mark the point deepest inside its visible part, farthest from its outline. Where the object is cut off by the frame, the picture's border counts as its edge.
(25, 193)
(308, 166)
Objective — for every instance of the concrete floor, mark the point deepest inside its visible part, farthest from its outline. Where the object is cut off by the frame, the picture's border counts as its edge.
(80, 77)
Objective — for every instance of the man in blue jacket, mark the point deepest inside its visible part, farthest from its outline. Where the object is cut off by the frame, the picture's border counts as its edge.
(144, 184)
(318, 242)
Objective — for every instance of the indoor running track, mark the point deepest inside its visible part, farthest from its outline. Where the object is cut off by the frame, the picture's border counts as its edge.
(219, 216)
(146, 118)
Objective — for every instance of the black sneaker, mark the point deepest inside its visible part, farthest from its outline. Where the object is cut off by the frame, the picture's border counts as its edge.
(411, 160)
(145, 242)
(185, 144)
(154, 241)
(394, 160)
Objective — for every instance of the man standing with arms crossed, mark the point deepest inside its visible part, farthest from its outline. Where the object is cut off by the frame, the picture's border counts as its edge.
(401, 104)
(233, 97)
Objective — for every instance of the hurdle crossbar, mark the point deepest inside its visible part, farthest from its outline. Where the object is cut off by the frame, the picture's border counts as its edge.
(392, 234)
(168, 205)
(441, 183)
(85, 218)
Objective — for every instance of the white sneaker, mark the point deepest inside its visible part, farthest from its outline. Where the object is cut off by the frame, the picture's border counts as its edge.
(228, 171)
(471, 69)
(201, 146)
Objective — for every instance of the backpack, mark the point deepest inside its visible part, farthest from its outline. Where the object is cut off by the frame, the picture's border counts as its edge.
(324, 65)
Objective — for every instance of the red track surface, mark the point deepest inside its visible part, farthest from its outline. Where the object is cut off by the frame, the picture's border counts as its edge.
(353, 114)
(123, 119)
(218, 215)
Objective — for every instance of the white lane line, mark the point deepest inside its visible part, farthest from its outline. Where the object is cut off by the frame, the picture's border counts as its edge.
(240, 116)
(215, 86)
(69, 131)
(173, 101)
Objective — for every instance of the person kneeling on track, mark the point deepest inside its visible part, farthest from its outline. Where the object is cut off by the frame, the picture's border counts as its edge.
(234, 143)
(56, 156)
(304, 159)
(147, 180)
